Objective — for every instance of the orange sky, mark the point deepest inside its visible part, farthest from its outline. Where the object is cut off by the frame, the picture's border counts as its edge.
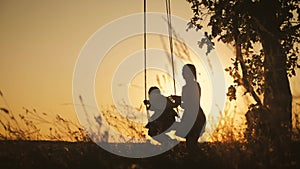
(41, 40)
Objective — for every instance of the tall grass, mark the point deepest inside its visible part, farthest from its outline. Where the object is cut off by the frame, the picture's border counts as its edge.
(33, 125)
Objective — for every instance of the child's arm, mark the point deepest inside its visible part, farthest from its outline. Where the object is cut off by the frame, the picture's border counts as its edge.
(147, 104)
(176, 100)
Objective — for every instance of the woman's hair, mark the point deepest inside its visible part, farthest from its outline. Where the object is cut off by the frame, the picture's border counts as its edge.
(191, 69)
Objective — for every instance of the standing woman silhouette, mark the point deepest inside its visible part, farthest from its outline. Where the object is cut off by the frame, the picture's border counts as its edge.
(193, 118)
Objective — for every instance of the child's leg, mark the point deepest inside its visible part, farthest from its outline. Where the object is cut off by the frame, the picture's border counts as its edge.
(165, 140)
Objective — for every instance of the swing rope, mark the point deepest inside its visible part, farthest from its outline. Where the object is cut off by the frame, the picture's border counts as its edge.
(145, 55)
(168, 9)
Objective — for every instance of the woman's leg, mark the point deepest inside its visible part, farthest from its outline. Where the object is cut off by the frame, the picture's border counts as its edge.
(191, 143)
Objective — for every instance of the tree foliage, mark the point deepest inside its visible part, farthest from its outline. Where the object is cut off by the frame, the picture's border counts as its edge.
(244, 21)
(271, 25)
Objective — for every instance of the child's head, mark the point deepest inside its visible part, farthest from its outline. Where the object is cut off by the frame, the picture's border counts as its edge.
(154, 90)
(189, 72)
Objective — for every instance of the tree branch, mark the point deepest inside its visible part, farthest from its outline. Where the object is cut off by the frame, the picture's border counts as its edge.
(244, 79)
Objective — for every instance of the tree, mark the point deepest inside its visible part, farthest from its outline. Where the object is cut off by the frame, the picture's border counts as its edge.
(273, 25)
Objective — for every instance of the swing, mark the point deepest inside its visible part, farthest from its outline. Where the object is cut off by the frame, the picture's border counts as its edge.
(168, 11)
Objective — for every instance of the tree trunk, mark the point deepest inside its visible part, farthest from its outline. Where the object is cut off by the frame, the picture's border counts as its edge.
(277, 93)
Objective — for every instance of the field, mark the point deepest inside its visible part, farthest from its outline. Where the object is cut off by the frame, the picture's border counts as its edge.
(55, 154)
(17, 150)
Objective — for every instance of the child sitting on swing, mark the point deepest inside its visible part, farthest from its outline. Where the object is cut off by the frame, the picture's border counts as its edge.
(164, 113)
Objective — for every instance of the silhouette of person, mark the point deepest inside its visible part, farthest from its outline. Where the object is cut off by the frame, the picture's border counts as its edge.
(164, 113)
(190, 102)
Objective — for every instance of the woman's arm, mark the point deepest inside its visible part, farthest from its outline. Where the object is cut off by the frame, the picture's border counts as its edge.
(183, 97)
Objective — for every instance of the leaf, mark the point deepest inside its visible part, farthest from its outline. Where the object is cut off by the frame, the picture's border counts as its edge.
(189, 26)
(231, 93)
(293, 72)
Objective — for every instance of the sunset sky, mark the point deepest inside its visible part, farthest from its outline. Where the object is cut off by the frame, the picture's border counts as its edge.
(41, 41)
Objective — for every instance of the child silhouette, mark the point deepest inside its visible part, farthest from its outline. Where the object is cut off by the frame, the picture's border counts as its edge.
(164, 113)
